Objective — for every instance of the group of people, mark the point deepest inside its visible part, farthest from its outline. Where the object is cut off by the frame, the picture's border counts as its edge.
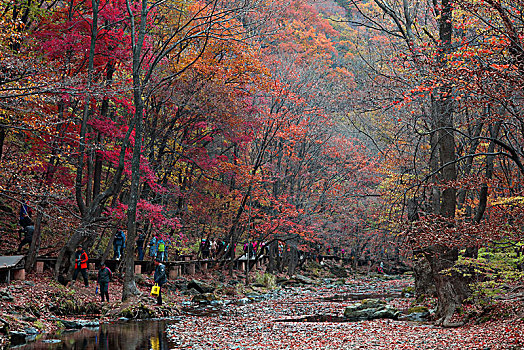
(157, 249)
(157, 246)
(105, 275)
(212, 249)
(216, 248)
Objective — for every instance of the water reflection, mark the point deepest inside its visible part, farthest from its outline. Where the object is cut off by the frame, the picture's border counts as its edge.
(140, 335)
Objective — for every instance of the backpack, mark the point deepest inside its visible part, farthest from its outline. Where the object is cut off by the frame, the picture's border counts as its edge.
(161, 246)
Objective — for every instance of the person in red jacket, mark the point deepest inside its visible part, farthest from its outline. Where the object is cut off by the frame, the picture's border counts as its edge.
(80, 265)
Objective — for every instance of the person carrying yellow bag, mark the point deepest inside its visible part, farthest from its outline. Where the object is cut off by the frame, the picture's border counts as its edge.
(160, 279)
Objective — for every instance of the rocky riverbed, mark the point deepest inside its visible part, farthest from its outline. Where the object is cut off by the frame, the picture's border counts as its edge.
(214, 312)
(329, 314)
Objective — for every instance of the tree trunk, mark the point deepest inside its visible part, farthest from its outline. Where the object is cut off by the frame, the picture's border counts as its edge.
(35, 243)
(272, 266)
(3, 133)
(451, 287)
(292, 259)
(138, 37)
(424, 282)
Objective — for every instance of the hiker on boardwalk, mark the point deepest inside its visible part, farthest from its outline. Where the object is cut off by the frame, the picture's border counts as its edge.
(140, 245)
(104, 277)
(160, 278)
(80, 265)
(119, 243)
(25, 215)
(204, 248)
(153, 247)
(28, 231)
(161, 255)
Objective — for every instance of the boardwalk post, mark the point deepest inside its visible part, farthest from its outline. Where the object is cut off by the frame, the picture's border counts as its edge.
(174, 272)
(19, 275)
(191, 268)
(39, 267)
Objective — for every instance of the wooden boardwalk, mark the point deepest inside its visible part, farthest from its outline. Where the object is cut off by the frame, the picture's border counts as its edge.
(186, 267)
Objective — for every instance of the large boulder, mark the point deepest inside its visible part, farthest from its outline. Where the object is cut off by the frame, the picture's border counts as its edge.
(77, 324)
(305, 280)
(200, 286)
(297, 280)
(370, 309)
(418, 314)
(338, 271)
(204, 298)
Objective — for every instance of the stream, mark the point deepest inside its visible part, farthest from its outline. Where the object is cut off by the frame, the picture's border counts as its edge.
(130, 335)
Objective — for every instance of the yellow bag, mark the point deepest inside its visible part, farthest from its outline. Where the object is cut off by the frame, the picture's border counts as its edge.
(155, 290)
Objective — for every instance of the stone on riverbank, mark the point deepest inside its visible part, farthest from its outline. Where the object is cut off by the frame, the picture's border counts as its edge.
(370, 309)
(297, 280)
(338, 271)
(205, 298)
(200, 286)
(78, 324)
(418, 314)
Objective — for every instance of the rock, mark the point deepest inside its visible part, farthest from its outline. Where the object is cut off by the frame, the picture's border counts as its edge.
(200, 286)
(204, 298)
(31, 330)
(6, 295)
(304, 279)
(29, 318)
(255, 297)
(387, 312)
(370, 309)
(243, 301)
(17, 338)
(421, 309)
(281, 280)
(179, 283)
(373, 303)
(418, 314)
(296, 281)
(4, 326)
(216, 303)
(338, 271)
(78, 324)
(191, 292)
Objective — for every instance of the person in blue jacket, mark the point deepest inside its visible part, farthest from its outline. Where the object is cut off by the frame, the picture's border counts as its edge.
(119, 244)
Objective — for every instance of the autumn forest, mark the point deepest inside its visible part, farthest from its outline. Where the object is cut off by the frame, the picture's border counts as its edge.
(374, 130)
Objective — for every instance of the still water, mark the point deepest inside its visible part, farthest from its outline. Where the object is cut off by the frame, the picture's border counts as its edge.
(133, 335)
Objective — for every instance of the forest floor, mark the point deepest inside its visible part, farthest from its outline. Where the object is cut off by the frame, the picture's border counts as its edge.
(258, 316)
(311, 317)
